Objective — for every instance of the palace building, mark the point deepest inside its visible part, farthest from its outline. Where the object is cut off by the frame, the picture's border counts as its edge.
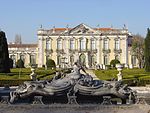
(91, 46)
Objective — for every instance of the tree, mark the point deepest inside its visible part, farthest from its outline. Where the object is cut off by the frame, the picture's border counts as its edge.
(10, 63)
(20, 64)
(4, 56)
(18, 39)
(51, 63)
(114, 62)
(137, 49)
(147, 51)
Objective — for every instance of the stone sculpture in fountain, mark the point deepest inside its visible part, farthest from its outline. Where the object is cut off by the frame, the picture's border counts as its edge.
(72, 84)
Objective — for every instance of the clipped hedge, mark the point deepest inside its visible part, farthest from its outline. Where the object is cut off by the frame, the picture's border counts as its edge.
(12, 82)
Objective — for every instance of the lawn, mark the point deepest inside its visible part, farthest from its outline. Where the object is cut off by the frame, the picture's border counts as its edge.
(23, 73)
(130, 76)
(18, 76)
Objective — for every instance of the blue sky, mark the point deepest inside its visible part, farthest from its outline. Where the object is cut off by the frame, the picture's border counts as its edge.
(24, 17)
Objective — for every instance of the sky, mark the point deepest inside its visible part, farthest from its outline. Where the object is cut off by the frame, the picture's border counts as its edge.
(25, 17)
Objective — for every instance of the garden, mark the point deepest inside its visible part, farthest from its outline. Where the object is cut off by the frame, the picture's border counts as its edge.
(19, 75)
(132, 77)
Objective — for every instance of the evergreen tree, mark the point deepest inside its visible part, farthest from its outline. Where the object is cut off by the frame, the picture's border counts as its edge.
(51, 63)
(20, 64)
(4, 56)
(147, 51)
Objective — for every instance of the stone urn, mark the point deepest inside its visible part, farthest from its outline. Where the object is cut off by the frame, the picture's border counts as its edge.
(119, 68)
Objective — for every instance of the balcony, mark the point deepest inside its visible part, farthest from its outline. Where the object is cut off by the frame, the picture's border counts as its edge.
(117, 51)
(92, 50)
(60, 51)
(48, 51)
(106, 51)
(72, 50)
(83, 50)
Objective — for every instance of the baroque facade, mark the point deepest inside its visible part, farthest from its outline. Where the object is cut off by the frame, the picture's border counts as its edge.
(91, 46)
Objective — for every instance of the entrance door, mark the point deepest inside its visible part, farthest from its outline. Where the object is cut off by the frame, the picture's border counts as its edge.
(82, 59)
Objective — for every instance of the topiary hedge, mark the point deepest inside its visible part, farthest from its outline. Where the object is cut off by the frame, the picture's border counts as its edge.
(12, 82)
(51, 64)
(114, 62)
(20, 64)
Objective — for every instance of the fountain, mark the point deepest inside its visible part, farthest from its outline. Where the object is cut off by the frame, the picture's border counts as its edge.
(73, 86)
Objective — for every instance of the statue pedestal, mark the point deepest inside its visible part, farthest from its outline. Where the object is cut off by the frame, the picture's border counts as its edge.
(106, 100)
(119, 68)
(71, 99)
(38, 100)
(5, 99)
(33, 75)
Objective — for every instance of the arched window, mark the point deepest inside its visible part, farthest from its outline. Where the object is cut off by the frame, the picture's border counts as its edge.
(117, 44)
(59, 44)
(133, 60)
(82, 43)
(14, 60)
(72, 44)
(71, 60)
(93, 60)
(58, 60)
(93, 44)
(48, 44)
(82, 59)
(105, 60)
(117, 57)
(105, 44)
(22, 57)
(32, 59)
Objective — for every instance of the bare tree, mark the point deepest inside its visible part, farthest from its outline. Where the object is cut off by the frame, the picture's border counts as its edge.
(18, 39)
(138, 49)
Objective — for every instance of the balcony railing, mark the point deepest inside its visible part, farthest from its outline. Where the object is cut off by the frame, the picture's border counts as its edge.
(106, 51)
(83, 50)
(72, 50)
(48, 51)
(93, 50)
(60, 50)
(117, 50)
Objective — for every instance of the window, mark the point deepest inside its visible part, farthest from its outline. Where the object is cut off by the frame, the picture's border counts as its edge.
(59, 44)
(58, 60)
(72, 44)
(105, 60)
(133, 60)
(117, 57)
(83, 44)
(117, 45)
(93, 44)
(71, 60)
(48, 44)
(93, 60)
(22, 57)
(32, 59)
(14, 59)
(105, 44)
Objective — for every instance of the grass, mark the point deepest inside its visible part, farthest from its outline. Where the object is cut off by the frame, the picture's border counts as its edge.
(127, 74)
(23, 74)
(133, 77)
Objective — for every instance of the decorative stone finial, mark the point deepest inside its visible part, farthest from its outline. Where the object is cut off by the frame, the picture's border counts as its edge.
(33, 75)
(119, 68)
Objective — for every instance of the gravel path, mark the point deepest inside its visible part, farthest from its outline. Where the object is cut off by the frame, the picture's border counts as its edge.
(56, 108)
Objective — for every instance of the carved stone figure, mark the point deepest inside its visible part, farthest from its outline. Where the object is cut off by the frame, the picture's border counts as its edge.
(72, 84)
